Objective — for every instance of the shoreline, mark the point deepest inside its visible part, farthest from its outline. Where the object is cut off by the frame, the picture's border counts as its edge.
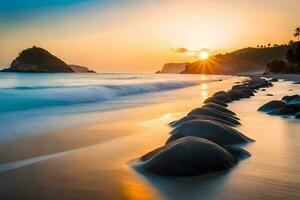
(106, 162)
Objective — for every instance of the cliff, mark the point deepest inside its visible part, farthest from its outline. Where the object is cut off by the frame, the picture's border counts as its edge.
(173, 68)
(81, 69)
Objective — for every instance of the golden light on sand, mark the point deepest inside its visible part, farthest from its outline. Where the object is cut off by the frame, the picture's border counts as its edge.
(203, 55)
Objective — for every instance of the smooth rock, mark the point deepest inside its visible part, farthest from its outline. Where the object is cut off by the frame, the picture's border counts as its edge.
(272, 106)
(218, 107)
(214, 113)
(188, 156)
(291, 99)
(211, 130)
(205, 117)
(213, 100)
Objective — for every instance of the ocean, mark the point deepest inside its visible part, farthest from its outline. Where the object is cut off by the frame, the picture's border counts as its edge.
(36, 98)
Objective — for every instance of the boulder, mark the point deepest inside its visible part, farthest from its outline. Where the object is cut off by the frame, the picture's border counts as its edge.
(216, 101)
(274, 80)
(272, 106)
(239, 93)
(189, 156)
(220, 108)
(223, 97)
(214, 113)
(211, 130)
(289, 109)
(233, 96)
(205, 117)
(291, 99)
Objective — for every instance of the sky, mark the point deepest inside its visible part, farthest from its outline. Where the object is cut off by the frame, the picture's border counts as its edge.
(141, 35)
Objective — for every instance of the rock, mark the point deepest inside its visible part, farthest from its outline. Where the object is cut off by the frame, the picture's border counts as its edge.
(205, 117)
(247, 91)
(220, 92)
(211, 130)
(233, 96)
(256, 83)
(81, 69)
(36, 59)
(291, 99)
(220, 108)
(272, 106)
(223, 96)
(239, 93)
(238, 87)
(216, 101)
(297, 116)
(238, 152)
(289, 109)
(214, 113)
(270, 95)
(274, 80)
(263, 89)
(173, 68)
(188, 156)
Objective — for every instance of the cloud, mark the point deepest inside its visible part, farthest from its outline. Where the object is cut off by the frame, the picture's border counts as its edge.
(180, 50)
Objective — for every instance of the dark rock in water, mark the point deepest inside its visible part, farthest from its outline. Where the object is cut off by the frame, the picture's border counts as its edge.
(272, 106)
(291, 99)
(36, 59)
(218, 107)
(233, 96)
(296, 83)
(211, 130)
(239, 93)
(289, 109)
(256, 83)
(237, 152)
(214, 113)
(205, 117)
(248, 91)
(297, 116)
(216, 101)
(220, 92)
(189, 156)
(223, 97)
(238, 87)
(274, 80)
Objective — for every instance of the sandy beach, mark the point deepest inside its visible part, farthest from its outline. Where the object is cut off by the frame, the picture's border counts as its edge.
(93, 161)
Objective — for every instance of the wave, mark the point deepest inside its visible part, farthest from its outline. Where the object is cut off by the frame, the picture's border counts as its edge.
(29, 97)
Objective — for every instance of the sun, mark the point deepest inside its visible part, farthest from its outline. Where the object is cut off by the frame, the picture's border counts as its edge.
(203, 55)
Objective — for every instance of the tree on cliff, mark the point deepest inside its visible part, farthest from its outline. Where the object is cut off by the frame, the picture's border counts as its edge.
(297, 34)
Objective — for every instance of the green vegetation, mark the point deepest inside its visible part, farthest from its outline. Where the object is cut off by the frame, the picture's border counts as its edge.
(292, 63)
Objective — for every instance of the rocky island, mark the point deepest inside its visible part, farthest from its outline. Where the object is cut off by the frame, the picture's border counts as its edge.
(37, 59)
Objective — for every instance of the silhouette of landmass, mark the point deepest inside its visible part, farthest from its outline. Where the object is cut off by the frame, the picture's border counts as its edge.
(37, 59)
(243, 60)
(81, 69)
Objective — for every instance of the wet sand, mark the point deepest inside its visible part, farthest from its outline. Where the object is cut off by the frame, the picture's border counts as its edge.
(96, 163)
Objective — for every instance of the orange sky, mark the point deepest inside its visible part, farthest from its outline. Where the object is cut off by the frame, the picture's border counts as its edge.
(138, 36)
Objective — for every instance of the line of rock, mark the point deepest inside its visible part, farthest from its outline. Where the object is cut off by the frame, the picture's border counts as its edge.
(288, 106)
(204, 141)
